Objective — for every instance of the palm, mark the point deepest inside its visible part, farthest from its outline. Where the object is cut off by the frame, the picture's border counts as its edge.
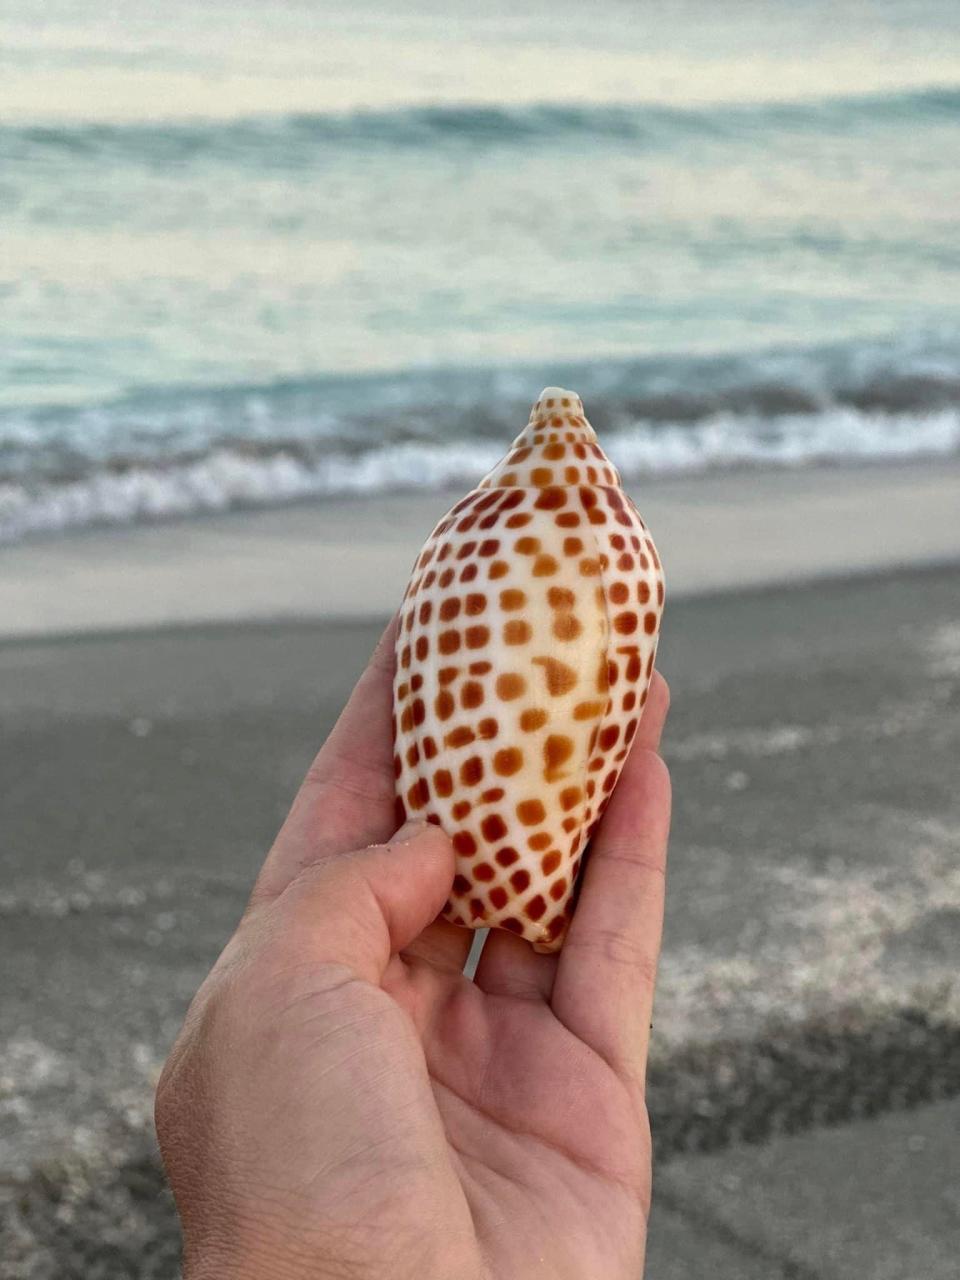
(550, 1146)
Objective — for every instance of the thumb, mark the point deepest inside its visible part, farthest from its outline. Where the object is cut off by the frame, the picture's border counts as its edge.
(361, 908)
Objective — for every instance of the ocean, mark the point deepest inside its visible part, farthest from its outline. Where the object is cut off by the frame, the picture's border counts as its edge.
(257, 253)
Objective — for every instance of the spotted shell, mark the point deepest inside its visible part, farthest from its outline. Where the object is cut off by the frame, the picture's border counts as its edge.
(525, 650)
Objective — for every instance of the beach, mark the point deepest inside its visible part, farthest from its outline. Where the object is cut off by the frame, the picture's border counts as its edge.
(278, 285)
(805, 1063)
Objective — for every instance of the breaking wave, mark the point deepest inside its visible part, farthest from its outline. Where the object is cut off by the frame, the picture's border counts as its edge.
(230, 478)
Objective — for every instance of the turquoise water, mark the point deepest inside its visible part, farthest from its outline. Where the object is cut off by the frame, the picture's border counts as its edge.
(252, 252)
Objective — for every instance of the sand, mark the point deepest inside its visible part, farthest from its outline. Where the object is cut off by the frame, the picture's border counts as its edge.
(808, 978)
(809, 971)
(349, 558)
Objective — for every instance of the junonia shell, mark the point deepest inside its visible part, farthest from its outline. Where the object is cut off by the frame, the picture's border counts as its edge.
(525, 650)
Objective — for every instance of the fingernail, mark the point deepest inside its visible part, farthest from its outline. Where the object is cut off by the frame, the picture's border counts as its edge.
(411, 828)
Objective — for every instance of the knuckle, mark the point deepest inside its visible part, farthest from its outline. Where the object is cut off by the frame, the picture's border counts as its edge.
(635, 863)
(350, 777)
(619, 949)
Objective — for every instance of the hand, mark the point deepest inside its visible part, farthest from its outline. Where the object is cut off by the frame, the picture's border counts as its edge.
(342, 1102)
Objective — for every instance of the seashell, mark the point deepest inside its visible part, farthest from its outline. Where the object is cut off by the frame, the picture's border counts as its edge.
(525, 650)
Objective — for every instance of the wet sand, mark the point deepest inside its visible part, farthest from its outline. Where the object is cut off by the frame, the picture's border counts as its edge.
(349, 558)
(809, 972)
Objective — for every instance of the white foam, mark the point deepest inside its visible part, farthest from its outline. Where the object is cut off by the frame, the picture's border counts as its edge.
(838, 433)
(226, 479)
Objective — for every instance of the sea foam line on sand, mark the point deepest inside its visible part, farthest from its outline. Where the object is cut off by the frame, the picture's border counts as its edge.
(226, 478)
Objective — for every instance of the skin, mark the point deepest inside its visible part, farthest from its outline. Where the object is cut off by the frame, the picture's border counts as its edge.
(342, 1102)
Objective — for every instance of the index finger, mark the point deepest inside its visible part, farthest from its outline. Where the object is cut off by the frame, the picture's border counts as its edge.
(346, 799)
(606, 972)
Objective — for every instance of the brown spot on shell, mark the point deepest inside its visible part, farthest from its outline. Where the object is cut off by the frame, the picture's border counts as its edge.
(493, 827)
(510, 685)
(471, 695)
(557, 750)
(569, 797)
(536, 907)
(443, 705)
(551, 499)
(443, 783)
(531, 812)
(561, 598)
(544, 566)
(464, 844)
(507, 761)
(566, 627)
(419, 794)
(560, 677)
(516, 631)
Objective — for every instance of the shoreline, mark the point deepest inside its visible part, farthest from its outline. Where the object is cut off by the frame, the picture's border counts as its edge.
(348, 558)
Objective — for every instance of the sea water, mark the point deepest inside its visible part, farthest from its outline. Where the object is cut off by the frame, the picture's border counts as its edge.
(251, 253)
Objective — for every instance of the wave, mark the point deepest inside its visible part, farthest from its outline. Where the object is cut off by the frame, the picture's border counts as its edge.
(227, 478)
(176, 451)
(282, 140)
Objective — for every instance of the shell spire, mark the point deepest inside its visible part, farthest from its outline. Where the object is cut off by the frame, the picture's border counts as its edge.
(525, 650)
(548, 450)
